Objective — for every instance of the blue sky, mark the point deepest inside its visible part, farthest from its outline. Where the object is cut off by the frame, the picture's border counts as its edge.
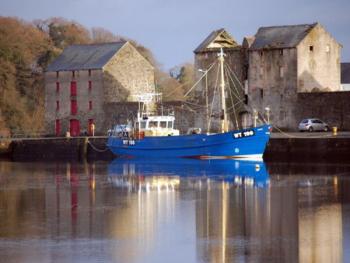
(173, 29)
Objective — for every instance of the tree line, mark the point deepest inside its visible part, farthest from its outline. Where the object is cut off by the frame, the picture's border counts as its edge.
(27, 48)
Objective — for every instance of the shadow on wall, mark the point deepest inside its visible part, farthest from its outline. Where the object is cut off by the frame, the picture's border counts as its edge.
(114, 91)
(307, 83)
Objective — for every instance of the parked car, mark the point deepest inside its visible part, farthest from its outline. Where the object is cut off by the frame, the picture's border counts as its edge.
(313, 125)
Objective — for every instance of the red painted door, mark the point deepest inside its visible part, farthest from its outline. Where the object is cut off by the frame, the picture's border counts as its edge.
(74, 127)
(58, 127)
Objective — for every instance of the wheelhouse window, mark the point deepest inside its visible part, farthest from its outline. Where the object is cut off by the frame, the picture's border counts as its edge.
(163, 124)
(153, 124)
(170, 124)
(143, 125)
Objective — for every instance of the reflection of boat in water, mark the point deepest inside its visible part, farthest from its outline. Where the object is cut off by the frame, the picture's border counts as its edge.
(167, 173)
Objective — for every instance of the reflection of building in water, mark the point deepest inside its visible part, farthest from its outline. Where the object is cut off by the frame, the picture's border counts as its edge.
(320, 225)
(149, 203)
(299, 220)
(233, 222)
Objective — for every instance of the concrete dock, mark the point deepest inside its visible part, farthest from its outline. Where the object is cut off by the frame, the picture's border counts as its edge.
(282, 147)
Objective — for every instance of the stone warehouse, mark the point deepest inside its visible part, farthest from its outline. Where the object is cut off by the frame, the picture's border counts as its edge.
(276, 65)
(85, 81)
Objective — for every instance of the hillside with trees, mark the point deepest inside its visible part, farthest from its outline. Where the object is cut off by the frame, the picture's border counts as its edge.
(26, 49)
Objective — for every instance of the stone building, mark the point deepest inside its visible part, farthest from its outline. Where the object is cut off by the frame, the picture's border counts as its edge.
(287, 60)
(274, 66)
(86, 81)
(345, 76)
(206, 55)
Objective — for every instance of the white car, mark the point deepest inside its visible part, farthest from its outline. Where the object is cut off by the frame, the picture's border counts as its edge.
(313, 125)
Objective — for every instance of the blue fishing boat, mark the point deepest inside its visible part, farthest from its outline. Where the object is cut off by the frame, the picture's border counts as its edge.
(154, 136)
(247, 143)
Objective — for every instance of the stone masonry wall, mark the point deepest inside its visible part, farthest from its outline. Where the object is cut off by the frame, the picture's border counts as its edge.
(318, 62)
(272, 80)
(127, 74)
(331, 107)
(63, 96)
(235, 60)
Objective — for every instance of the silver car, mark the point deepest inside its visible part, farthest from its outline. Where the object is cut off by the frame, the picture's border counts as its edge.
(313, 125)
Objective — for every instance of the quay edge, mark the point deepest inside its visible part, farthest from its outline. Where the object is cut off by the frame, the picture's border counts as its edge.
(330, 149)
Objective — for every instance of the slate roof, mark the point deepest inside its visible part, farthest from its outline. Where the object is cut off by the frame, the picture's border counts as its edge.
(83, 57)
(209, 39)
(345, 73)
(281, 36)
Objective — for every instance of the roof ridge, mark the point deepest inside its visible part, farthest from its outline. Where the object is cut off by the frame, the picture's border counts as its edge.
(297, 25)
(100, 44)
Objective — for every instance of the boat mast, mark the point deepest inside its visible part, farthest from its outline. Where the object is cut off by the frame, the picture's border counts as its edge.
(224, 127)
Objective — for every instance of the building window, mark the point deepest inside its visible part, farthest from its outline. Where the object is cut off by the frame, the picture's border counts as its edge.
(73, 74)
(261, 70)
(261, 53)
(57, 87)
(90, 105)
(246, 99)
(261, 93)
(281, 52)
(90, 85)
(281, 72)
(89, 72)
(57, 74)
(58, 127)
(74, 107)
(57, 105)
(328, 49)
(311, 48)
(73, 88)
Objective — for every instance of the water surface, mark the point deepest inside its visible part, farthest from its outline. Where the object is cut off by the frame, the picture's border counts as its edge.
(173, 211)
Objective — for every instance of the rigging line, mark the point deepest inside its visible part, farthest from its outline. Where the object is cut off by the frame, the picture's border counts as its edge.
(195, 84)
(236, 95)
(233, 82)
(249, 96)
(233, 107)
(194, 104)
(96, 149)
(215, 91)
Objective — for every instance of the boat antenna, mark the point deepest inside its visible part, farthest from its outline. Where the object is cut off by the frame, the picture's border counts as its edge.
(224, 127)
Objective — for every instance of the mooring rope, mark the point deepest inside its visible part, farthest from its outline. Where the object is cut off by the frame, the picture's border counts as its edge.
(96, 149)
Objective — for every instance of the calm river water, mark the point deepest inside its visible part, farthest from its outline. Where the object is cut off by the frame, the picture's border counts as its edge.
(174, 211)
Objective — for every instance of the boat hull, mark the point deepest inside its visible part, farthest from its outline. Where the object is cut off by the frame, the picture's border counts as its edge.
(247, 143)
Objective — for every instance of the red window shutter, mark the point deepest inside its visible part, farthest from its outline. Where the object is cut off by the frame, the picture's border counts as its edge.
(90, 105)
(74, 107)
(73, 88)
(57, 87)
(90, 85)
(57, 105)
(58, 127)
